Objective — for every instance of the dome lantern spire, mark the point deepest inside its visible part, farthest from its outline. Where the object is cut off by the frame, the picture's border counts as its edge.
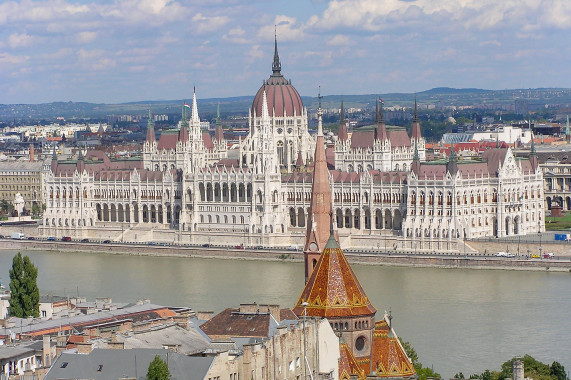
(276, 66)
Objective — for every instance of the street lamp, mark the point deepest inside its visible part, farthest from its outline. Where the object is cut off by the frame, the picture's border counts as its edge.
(304, 340)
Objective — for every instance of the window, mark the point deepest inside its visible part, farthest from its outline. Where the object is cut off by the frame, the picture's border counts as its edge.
(360, 343)
(100, 367)
(63, 365)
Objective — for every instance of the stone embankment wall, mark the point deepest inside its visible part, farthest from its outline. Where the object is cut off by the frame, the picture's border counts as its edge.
(418, 260)
(558, 249)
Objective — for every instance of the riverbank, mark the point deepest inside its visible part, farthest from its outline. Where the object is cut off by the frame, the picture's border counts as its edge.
(559, 264)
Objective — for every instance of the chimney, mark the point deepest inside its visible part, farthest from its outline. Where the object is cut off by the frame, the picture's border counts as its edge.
(205, 315)
(274, 310)
(249, 308)
(46, 351)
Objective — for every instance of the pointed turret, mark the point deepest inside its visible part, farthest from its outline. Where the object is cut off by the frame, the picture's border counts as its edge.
(184, 117)
(299, 161)
(343, 135)
(54, 160)
(415, 167)
(194, 116)
(533, 155)
(318, 222)
(567, 132)
(415, 134)
(381, 130)
(218, 133)
(150, 129)
(452, 164)
(276, 65)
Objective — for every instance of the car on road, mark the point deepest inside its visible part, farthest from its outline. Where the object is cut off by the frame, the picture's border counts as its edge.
(239, 246)
(85, 240)
(66, 238)
(258, 247)
(31, 238)
(51, 238)
(106, 241)
(206, 245)
(510, 254)
(535, 256)
(548, 255)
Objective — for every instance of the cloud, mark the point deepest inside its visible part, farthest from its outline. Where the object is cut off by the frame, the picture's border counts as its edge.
(34, 11)
(339, 40)
(17, 40)
(205, 24)
(492, 42)
(287, 28)
(86, 37)
(153, 12)
(236, 35)
(6, 58)
(374, 15)
(254, 54)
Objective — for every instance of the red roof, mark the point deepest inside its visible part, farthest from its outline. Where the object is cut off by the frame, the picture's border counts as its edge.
(333, 289)
(282, 98)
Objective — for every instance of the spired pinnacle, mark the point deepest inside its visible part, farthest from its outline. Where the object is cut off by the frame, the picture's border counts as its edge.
(415, 120)
(276, 66)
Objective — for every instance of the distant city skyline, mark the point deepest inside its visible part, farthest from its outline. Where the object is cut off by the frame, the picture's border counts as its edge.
(128, 50)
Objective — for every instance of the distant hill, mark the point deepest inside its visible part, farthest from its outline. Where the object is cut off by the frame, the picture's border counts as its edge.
(441, 96)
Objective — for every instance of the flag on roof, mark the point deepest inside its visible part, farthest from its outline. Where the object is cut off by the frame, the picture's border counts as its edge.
(381, 100)
(187, 105)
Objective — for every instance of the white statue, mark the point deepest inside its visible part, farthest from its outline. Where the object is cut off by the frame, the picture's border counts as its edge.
(19, 203)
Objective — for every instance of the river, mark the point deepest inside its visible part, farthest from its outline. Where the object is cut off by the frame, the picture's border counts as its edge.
(456, 319)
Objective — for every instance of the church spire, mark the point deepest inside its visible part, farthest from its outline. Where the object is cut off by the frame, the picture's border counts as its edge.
(194, 116)
(318, 219)
(276, 66)
(567, 132)
(416, 133)
(150, 128)
(532, 154)
(343, 135)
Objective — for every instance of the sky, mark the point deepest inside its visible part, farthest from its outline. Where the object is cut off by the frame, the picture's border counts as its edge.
(110, 51)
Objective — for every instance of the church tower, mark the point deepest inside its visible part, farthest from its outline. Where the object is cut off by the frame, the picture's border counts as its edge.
(318, 219)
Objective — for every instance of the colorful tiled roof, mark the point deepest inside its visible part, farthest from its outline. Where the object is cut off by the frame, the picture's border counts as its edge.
(388, 356)
(348, 364)
(333, 290)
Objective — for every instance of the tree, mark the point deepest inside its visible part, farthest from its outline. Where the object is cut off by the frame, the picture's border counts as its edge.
(158, 370)
(422, 372)
(24, 291)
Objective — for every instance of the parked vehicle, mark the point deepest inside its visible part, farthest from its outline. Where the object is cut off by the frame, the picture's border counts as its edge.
(206, 245)
(106, 241)
(85, 240)
(51, 238)
(66, 238)
(548, 255)
(501, 254)
(17, 235)
(31, 238)
(563, 237)
(241, 246)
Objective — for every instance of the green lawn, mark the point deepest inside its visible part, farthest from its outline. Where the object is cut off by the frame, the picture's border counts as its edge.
(563, 223)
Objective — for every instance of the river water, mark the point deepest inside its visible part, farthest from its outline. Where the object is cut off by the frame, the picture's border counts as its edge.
(456, 319)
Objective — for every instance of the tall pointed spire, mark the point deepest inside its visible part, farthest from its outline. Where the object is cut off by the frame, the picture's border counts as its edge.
(265, 113)
(567, 132)
(318, 219)
(415, 167)
(218, 114)
(194, 116)
(415, 133)
(150, 128)
(381, 130)
(276, 66)
(184, 117)
(452, 165)
(343, 135)
(532, 154)
(319, 114)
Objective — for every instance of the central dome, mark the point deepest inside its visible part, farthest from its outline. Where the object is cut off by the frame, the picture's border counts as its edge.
(283, 98)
